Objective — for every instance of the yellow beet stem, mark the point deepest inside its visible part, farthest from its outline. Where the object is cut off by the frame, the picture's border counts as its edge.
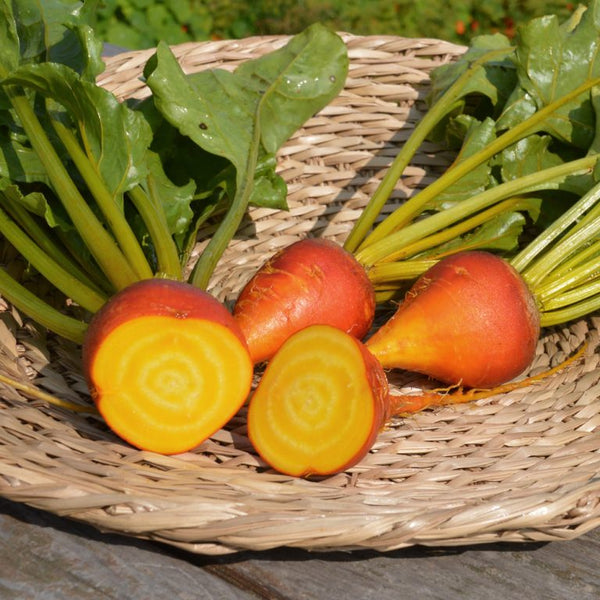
(166, 384)
(314, 409)
(38, 394)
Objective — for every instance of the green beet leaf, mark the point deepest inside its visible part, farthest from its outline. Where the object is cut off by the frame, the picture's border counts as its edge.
(9, 48)
(18, 161)
(173, 199)
(552, 59)
(537, 152)
(114, 137)
(274, 94)
(491, 76)
(53, 30)
(501, 233)
(246, 115)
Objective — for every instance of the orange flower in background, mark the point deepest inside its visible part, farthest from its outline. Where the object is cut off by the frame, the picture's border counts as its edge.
(509, 27)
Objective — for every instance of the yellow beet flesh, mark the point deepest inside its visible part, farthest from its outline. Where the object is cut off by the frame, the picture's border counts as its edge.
(315, 410)
(166, 384)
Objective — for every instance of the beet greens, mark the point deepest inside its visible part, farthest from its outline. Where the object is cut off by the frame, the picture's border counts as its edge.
(96, 194)
(522, 116)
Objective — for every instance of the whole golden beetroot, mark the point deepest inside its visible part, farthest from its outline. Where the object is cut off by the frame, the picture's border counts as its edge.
(310, 282)
(469, 320)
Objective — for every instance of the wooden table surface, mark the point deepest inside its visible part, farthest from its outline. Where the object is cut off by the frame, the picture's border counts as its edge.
(46, 557)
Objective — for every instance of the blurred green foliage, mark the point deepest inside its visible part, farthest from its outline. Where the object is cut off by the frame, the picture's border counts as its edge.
(140, 24)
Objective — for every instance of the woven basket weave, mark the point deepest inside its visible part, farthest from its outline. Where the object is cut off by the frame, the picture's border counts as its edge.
(524, 466)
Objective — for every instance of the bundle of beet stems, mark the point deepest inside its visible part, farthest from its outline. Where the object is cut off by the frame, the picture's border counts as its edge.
(158, 351)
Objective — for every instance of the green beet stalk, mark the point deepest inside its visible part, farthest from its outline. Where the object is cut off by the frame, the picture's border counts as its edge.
(397, 267)
(407, 211)
(544, 254)
(209, 258)
(40, 311)
(561, 265)
(70, 285)
(9, 200)
(99, 242)
(432, 117)
(149, 209)
(413, 232)
(113, 214)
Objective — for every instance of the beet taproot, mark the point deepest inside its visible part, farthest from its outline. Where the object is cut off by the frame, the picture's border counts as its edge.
(311, 282)
(469, 320)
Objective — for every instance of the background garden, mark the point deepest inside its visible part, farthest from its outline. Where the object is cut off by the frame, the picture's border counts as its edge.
(137, 24)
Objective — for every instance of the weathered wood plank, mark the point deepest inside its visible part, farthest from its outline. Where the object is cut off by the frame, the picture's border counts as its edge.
(557, 571)
(43, 556)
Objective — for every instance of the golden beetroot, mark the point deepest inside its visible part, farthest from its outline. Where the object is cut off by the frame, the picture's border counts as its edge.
(311, 282)
(166, 364)
(319, 405)
(470, 320)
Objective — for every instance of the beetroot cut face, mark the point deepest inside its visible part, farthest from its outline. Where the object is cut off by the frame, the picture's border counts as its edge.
(320, 404)
(166, 364)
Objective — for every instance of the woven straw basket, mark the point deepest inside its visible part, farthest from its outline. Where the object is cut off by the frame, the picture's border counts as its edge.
(523, 466)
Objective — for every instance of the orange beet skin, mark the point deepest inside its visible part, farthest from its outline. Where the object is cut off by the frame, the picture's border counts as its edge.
(469, 320)
(311, 282)
(166, 364)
